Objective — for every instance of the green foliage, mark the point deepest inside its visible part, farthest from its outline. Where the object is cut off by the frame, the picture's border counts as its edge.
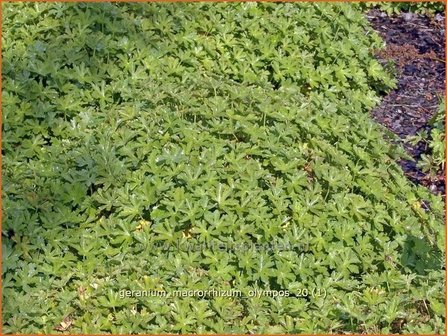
(394, 7)
(128, 128)
(433, 162)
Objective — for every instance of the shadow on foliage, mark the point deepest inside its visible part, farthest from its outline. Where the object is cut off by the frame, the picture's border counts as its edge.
(420, 256)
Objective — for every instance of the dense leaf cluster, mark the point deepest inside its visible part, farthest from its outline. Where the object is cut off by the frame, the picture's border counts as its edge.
(396, 7)
(128, 127)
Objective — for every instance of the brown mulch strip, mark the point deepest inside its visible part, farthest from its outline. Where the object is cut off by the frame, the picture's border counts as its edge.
(416, 45)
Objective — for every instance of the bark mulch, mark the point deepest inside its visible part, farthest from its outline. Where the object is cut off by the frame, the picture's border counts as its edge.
(416, 45)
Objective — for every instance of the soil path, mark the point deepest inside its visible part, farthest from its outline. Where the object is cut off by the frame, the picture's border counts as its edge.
(416, 45)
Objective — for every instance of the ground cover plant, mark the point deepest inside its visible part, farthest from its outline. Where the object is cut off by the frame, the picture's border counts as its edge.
(433, 162)
(423, 7)
(132, 132)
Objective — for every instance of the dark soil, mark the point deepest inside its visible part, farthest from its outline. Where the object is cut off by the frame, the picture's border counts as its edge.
(416, 45)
